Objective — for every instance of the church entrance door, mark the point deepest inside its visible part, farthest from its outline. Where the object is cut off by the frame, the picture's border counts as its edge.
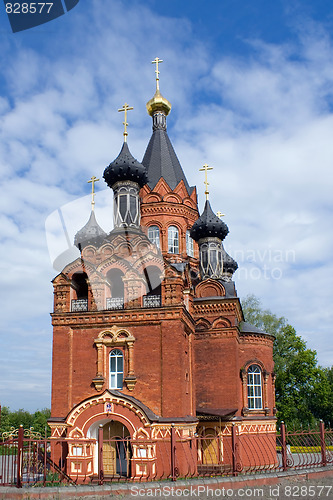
(210, 448)
(116, 449)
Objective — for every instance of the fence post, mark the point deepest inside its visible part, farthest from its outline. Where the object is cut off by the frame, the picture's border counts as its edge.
(173, 452)
(322, 443)
(234, 450)
(100, 455)
(283, 445)
(19, 456)
(45, 462)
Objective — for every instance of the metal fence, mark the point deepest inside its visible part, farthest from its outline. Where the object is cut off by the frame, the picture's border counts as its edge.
(28, 460)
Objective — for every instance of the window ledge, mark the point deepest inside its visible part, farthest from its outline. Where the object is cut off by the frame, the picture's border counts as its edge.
(254, 411)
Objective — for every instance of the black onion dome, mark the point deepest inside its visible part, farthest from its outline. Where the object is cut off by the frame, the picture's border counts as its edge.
(209, 225)
(229, 264)
(90, 234)
(125, 168)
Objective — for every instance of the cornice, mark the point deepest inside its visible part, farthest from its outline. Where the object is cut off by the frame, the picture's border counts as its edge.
(125, 317)
(163, 208)
(256, 338)
(230, 332)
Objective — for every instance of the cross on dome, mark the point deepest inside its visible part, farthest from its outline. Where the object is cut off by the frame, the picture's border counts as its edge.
(220, 214)
(92, 182)
(205, 168)
(157, 72)
(125, 108)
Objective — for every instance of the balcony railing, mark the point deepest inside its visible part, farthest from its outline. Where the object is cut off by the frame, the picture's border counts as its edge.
(151, 301)
(115, 303)
(79, 305)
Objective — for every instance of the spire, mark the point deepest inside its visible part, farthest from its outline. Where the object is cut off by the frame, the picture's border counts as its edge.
(160, 158)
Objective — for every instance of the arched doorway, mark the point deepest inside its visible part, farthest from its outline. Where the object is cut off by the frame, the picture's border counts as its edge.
(116, 450)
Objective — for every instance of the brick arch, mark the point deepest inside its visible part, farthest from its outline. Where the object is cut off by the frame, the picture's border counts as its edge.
(150, 259)
(210, 288)
(77, 267)
(152, 198)
(108, 406)
(172, 198)
(190, 203)
(113, 262)
(221, 323)
(115, 334)
(253, 361)
(154, 222)
(202, 324)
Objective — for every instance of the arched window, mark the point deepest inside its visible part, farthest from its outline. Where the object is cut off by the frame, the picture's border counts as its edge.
(189, 244)
(80, 286)
(254, 391)
(173, 239)
(126, 211)
(115, 279)
(116, 369)
(153, 287)
(154, 235)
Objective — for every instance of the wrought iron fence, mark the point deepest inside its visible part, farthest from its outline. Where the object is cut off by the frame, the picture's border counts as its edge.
(28, 459)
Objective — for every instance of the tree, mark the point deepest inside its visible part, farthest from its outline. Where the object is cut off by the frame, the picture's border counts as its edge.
(37, 420)
(304, 392)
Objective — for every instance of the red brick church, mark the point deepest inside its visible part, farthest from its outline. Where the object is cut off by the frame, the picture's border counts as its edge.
(149, 336)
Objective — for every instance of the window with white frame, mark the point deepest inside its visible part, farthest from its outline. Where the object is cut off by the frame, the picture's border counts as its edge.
(189, 244)
(116, 369)
(254, 390)
(173, 239)
(154, 235)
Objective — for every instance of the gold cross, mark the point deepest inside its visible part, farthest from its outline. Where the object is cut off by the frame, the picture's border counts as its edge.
(220, 214)
(92, 181)
(125, 108)
(157, 61)
(204, 169)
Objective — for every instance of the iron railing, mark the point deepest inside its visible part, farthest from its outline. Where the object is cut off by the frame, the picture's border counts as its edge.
(215, 452)
(151, 301)
(115, 303)
(79, 305)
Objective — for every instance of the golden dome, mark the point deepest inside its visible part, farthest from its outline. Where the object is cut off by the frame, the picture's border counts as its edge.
(158, 103)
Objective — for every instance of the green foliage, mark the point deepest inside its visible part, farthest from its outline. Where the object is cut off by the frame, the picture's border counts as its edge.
(304, 390)
(37, 420)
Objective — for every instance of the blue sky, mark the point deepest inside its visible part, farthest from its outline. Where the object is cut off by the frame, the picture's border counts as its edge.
(251, 87)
